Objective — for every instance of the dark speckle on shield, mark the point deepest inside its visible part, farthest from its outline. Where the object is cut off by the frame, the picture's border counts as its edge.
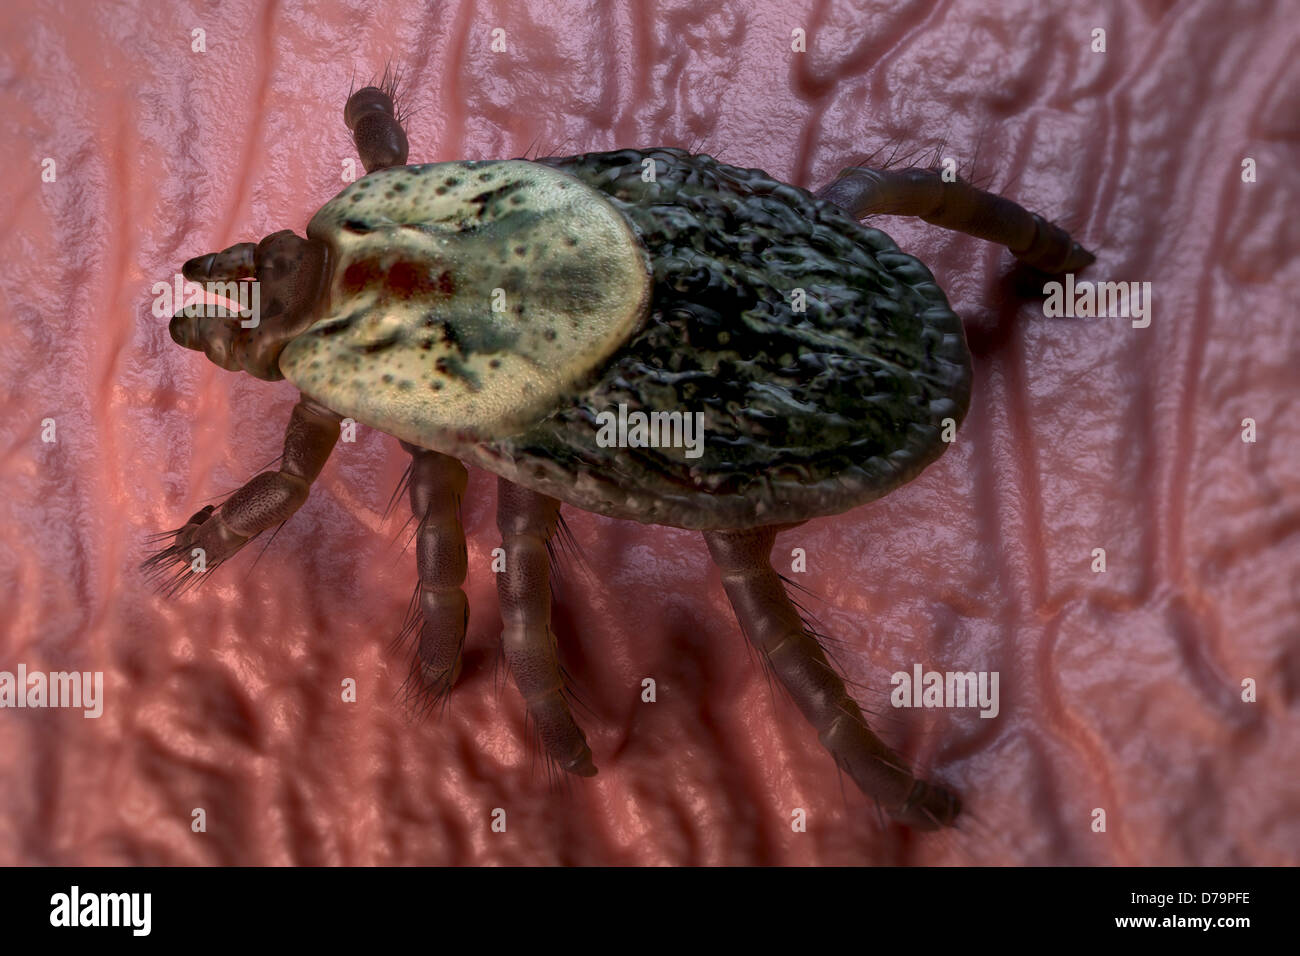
(339, 325)
(451, 366)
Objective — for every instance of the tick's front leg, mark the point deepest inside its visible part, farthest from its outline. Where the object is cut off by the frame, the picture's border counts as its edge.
(527, 520)
(442, 611)
(211, 536)
(376, 129)
(772, 624)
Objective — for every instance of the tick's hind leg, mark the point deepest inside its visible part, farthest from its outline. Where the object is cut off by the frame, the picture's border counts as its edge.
(441, 608)
(376, 126)
(213, 535)
(772, 624)
(957, 205)
(527, 521)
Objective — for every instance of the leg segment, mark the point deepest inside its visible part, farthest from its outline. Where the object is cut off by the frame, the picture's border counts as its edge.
(231, 263)
(376, 129)
(437, 485)
(527, 520)
(772, 625)
(269, 499)
(957, 205)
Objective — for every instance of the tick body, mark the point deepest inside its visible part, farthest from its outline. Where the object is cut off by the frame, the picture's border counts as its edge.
(499, 313)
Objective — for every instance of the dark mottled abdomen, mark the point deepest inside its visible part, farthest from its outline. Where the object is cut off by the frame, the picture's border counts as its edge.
(806, 413)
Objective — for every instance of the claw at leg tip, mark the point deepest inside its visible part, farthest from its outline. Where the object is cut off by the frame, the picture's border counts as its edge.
(582, 766)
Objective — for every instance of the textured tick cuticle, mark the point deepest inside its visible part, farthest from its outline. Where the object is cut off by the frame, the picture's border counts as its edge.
(457, 291)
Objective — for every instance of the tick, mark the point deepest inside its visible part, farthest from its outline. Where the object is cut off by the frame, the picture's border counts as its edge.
(645, 334)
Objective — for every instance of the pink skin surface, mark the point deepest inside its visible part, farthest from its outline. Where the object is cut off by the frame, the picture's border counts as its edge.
(1120, 691)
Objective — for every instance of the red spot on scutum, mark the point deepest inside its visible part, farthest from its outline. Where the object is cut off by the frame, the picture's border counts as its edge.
(404, 280)
(360, 275)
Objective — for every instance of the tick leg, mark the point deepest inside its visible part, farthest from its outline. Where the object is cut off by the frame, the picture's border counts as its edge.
(527, 521)
(772, 624)
(269, 499)
(376, 129)
(957, 205)
(437, 485)
(233, 262)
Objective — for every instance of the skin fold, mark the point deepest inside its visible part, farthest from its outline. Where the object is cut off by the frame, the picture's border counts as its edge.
(1119, 690)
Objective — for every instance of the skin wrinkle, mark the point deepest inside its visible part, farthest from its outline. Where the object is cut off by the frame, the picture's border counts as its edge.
(1016, 373)
(1078, 734)
(228, 697)
(1185, 446)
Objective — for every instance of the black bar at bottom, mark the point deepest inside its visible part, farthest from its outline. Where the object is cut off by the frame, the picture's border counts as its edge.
(640, 908)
